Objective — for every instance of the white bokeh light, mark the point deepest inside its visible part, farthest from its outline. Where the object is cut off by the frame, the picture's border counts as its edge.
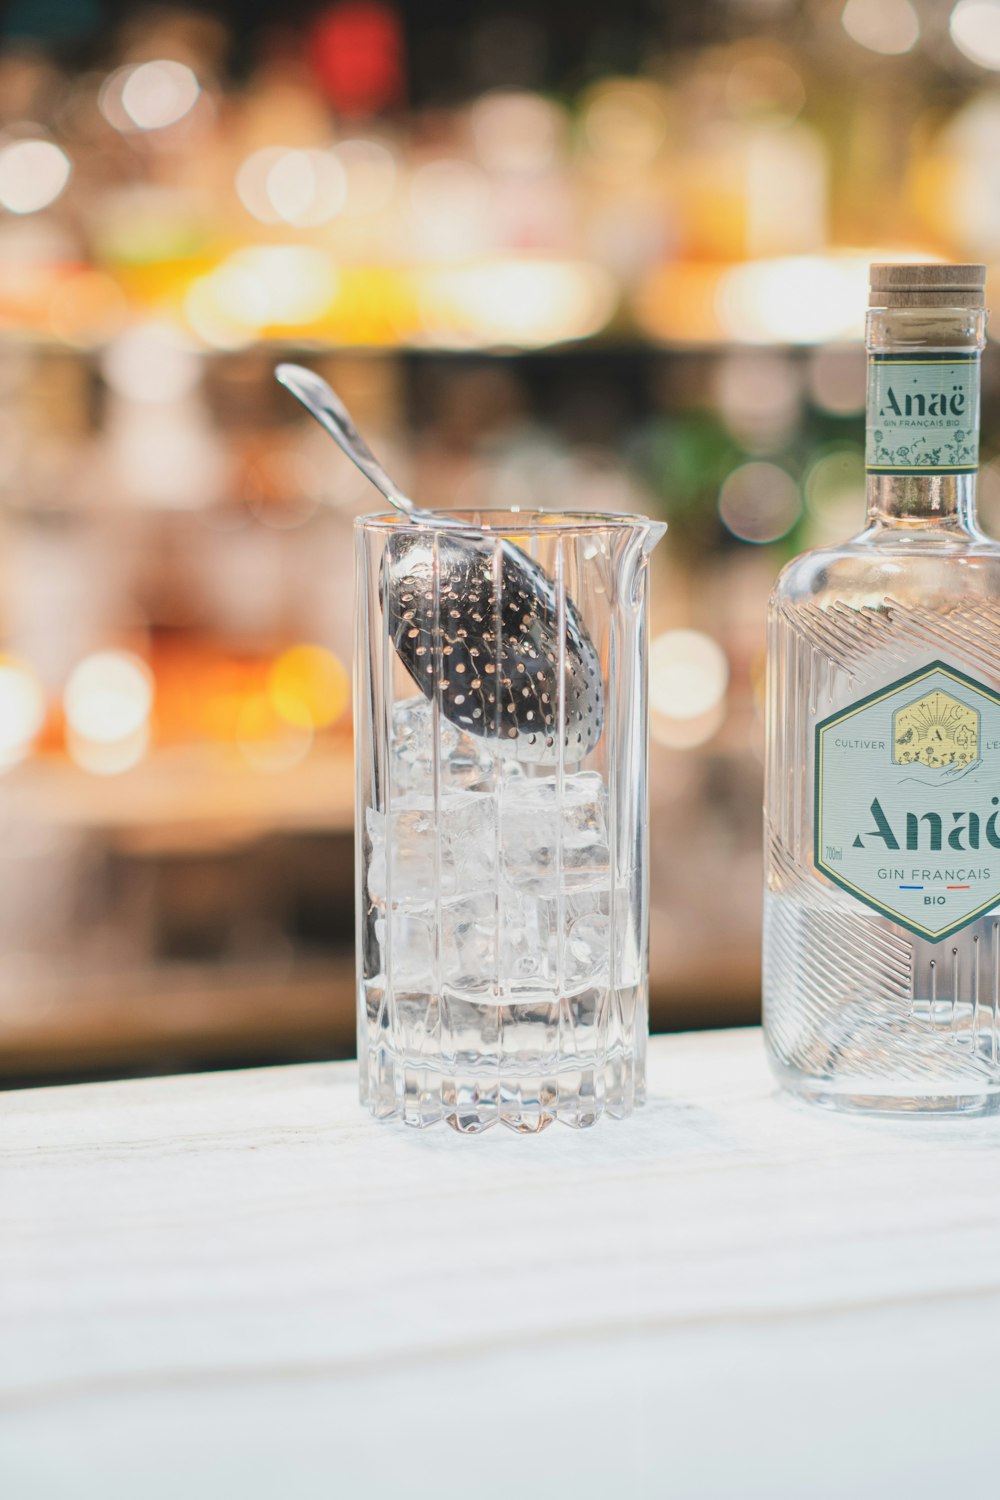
(22, 711)
(151, 362)
(526, 303)
(108, 697)
(283, 186)
(687, 734)
(975, 30)
(804, 299)
(887, 26)
(32, 175)
(688, 674)
(157, 94)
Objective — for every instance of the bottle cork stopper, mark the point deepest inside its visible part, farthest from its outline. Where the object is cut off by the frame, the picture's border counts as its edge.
(902, 285)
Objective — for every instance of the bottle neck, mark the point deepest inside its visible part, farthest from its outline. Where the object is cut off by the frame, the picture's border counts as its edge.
(936, 500)
(922, 447)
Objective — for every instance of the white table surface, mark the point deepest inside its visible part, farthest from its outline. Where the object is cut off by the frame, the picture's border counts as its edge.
(237, 1285)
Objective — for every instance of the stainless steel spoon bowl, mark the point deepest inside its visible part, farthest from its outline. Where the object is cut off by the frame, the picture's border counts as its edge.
(480, 626)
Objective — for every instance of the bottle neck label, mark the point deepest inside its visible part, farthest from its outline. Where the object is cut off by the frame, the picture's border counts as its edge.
(923, 413)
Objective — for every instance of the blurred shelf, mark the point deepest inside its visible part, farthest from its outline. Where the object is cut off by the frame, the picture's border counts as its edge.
(508, 302)
(694, 991)
(612, 342)
(178, 799)
(179, 1016)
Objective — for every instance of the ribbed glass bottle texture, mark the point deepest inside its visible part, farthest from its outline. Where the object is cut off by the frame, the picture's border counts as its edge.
(501, 899)
(881, 930)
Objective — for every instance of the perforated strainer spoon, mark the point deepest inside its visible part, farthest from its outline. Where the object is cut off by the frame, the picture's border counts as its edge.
(491, 635)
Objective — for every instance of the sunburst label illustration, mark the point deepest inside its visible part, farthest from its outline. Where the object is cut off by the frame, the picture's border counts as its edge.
(935, 730)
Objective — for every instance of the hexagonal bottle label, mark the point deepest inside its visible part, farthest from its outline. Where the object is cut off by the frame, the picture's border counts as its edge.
(908, 800)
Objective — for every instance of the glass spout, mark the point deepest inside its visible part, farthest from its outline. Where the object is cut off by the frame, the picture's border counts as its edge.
(636, 546)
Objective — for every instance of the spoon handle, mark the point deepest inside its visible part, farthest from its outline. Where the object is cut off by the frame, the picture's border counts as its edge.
(328, 409)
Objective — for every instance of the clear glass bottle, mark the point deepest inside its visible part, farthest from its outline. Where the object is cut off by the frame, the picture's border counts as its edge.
(882, 814)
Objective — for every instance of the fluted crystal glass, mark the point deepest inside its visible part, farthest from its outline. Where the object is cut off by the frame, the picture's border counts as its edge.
(501, 900)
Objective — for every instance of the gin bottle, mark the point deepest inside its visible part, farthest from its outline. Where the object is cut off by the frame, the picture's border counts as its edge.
(882, 817)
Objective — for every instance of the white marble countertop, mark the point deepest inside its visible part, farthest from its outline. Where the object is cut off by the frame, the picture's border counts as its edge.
(237, 1285)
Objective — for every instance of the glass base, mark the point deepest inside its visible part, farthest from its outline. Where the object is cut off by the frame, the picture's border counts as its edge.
(867, 1096)
(474, 1063)
(523, 1066)
(392, 1089)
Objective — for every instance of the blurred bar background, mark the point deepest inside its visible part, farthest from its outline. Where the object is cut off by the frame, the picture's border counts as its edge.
(562, 255)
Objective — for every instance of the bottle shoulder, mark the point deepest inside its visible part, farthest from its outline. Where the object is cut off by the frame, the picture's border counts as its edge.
(879, 563)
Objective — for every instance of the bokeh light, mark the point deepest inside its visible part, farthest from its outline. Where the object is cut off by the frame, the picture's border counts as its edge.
(759, 396)
(834, 488)
(22, 710)
(150, 96)
(975, 30)
(764, 84)
(450, 207)
(795, 300)
(259, 286)
(688, 674)
(625, 121)
(308, 687)
(525, 303)
(108, 696)
(107, 702)
(282, 186)
(517, 132)
(356, 50)
(887, 26)
(151, 362)
(108, 757)
(759, 502)
(837, 379)
(33, 173)
(689, 733)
